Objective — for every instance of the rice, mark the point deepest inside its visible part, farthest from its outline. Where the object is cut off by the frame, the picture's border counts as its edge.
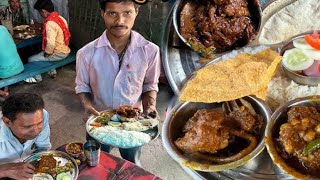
(251, 50)
(281, 90)
(120, 138)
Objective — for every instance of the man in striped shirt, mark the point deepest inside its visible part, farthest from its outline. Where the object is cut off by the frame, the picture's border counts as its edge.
(13, 12)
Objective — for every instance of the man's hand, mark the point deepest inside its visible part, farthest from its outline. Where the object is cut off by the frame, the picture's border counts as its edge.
(151, 113)
(149, 104)
(88, 110)
(85, 99)
(19, 171)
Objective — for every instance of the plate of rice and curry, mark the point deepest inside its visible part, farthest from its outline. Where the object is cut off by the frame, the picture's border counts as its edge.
(53, 165)
(124, 127)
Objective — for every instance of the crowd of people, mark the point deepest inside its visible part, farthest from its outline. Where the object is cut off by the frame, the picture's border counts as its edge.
(133, 66)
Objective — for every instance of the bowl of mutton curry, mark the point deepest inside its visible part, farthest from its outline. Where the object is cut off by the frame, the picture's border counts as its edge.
(216, 136)
(293, 137)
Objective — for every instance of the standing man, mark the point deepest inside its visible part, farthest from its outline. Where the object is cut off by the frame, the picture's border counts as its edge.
(55, 37)
(24, 128)
(119, 68)
(14, 13)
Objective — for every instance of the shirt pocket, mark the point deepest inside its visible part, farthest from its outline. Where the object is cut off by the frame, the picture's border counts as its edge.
(134, 81)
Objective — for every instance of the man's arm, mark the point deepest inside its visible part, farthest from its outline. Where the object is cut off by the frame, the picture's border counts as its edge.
(86, 102)
(150, 85)
(149, 101)
(20, 170)
(51, 37)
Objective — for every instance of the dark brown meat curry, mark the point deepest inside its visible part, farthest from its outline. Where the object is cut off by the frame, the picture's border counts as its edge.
(214, 136)
(217, 24)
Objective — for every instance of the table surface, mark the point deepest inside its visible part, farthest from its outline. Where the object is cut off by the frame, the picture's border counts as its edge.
(112, 167)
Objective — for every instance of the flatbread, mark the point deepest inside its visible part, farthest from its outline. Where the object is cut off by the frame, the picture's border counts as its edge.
(296, 18)
(245, 74)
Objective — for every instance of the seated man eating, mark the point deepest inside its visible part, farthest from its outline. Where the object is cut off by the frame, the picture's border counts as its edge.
(24, 129)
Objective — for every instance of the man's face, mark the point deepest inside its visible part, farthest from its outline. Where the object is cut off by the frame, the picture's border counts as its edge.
(27, 126)
(119, 18)
(43, 13)
(14, 4)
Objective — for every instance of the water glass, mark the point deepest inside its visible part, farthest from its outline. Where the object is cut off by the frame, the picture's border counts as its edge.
(92, 152)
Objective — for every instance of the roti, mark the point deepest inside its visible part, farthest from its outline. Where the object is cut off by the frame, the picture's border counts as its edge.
(296, 18)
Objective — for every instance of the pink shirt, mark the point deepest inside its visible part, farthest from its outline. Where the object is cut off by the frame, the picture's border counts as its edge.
(98, 72)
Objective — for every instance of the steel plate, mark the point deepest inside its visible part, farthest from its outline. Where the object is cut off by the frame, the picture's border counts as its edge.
(59, 156)
(153, 132)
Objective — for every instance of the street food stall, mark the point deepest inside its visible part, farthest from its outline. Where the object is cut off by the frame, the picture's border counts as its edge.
(207, 130)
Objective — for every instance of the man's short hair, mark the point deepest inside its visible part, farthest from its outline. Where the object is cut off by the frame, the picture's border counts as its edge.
(44, 4)
(104, 2)
(21, 103)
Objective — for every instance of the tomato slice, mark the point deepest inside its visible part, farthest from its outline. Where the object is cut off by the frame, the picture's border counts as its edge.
(313, 40)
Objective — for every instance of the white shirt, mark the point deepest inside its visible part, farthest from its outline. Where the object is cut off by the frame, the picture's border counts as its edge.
(98, 72)
(11, 150)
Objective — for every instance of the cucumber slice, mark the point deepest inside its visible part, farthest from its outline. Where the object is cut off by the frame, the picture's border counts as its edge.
(296, 60)
(114, 124)
(301, 43)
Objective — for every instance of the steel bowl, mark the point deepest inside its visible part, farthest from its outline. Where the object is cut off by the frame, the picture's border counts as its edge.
(253, 5)
(178, 116)
(278, 118)
(295, 76)
(69, 147)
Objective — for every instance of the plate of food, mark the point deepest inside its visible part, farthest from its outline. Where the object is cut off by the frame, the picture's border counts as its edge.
(25, 35)
(21, 28)
(125, 127)
(53, 165)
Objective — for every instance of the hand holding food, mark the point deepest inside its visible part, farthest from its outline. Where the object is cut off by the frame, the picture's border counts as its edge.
(19, 170)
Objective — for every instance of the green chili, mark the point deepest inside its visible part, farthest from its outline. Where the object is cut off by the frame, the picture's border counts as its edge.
(311, 146)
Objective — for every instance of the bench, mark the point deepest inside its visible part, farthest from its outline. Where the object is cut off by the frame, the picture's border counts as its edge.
(34, 68)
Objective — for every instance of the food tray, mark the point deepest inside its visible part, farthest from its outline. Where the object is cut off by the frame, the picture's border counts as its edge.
(59, 156)
(180, 61)
(153, 132)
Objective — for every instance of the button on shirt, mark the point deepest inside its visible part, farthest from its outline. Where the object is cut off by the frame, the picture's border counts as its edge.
(98, 72)
(11, 150)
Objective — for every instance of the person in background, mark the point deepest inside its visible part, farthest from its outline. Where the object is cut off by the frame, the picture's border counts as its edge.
(10, 62)
(24, 129)
(55, 38)
(13, 12)
(119, 68)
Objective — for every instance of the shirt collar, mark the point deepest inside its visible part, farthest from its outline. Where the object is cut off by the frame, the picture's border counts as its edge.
(5, 132)
(136, 41)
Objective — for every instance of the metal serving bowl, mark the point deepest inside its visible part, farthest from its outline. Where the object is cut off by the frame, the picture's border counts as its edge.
(176, 119)
(298, 78)
(278, 118)
(253, 5)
